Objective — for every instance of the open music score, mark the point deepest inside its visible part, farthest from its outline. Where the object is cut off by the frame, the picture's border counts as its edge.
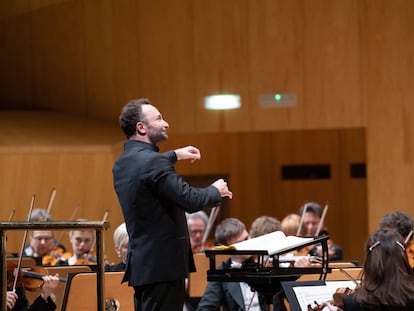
(302, 294)
(265, 274)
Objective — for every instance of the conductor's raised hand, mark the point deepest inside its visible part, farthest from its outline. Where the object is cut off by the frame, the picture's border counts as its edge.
(188, 152)
(222, 187)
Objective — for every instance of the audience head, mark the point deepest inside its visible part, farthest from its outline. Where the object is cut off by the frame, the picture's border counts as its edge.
(197, 223)
(40, 214)
(121, 240)
(388, 278)
(263, 225)
(290, 224)
(398, 221)
(311, 214)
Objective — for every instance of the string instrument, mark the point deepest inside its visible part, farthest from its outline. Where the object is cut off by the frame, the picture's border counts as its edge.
(55, 256)
(339, 295)
(307, 249)
(28, 278)
(87, 259)
(338, 299)
(410, 253)
(409, 248)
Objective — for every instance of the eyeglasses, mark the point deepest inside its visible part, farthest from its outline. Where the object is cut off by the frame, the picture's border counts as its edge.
(195, 232)
(43, 238)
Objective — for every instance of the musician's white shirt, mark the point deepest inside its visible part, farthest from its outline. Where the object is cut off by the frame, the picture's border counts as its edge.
(251, 299)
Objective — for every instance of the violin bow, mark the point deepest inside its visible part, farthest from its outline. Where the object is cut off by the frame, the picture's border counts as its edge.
(72, 217)
(325, 210)
(51, 200)
(349, 276)
(301, 219)
(12, 214)
(407, 239)
(105, 215)
(19, 263)
(211, 219)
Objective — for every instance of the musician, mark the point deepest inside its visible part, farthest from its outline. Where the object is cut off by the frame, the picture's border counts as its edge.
(197, 223)
(232, 295)
(17, 301)
(41, 244)
(121, 240)
(388, 280)
(399, 221)
(83, 242)
(267, 224)
(311, 214)
(290, 224)
(404, 225)
(40, 214)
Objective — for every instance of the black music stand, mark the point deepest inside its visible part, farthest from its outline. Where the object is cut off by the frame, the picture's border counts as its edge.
(261, 277)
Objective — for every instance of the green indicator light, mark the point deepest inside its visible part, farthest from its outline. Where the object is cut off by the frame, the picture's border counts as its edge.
(278, 97)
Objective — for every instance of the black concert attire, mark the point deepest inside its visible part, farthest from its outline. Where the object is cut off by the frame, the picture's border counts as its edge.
(154, 199)
(38, 305)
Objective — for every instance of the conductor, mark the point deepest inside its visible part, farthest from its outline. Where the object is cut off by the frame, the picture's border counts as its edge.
(154, 199)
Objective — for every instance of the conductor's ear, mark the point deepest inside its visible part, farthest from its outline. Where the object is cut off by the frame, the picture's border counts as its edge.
(140, 127)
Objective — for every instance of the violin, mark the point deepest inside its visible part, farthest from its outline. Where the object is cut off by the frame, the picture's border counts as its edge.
(55, 256)
(410, 253)
(30, 279)
(87, 259)
(337, 301)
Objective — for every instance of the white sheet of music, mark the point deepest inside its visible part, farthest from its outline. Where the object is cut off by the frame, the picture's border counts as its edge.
(307, 295)
(271, 242)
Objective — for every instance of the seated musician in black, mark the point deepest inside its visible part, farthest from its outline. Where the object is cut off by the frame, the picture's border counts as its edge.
(311, 214)
(232, 295)
(17, 301)
(121, 240)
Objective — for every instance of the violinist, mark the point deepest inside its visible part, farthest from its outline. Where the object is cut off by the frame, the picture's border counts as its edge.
(121, 240)
(403, 224)
(197, 223)
(311, 214)
(83, 242)
(388, 280)
(17, 301)
(41, 244)
(40, 214)
(266, 224)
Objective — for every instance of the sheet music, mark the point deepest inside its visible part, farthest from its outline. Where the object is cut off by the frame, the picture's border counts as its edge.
(309, 294)
(271, 242)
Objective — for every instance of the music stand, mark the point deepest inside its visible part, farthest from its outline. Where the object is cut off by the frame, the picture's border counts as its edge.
(261, 277)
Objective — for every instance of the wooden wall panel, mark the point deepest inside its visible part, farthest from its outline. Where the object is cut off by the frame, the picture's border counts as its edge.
(387, 64)
(58, 57)
(221, 62)
(165, 59)
(276, 53)
(332, 76)
(15, 55)
(100, 75)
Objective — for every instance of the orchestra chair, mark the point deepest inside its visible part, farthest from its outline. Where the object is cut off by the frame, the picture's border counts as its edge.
(64, 272)
(80, 293)
(197, 281)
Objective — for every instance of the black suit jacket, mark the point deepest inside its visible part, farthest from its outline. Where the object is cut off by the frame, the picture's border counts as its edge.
(225, 295)
(154, 199)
